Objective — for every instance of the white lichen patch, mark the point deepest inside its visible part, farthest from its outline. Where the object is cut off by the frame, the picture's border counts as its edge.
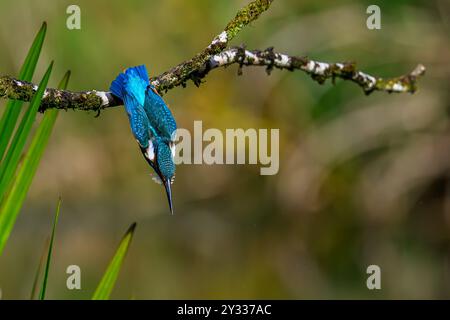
(224, 57)
(369, 78)
(321, 67)
(315, 67)
(103, 96)
(283, 61)
(366, 79)
(398, 87)
(221, 38)
(251, 57)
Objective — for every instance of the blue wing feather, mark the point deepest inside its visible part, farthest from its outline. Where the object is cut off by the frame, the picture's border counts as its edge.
(131, 86)
(159, 115)
(139, 123)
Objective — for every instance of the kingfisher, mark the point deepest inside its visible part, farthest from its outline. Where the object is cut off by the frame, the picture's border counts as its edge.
(151, 121)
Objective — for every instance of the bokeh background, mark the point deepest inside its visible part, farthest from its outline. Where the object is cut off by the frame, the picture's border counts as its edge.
(363, 179)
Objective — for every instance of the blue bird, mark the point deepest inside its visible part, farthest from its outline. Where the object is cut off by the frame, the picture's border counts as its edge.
(151, 121)
(159, 114)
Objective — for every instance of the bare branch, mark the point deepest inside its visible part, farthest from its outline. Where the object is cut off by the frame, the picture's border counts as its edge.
(182, 72)
(212, 57)
(60, 99)
(319, 71)
(97, 100)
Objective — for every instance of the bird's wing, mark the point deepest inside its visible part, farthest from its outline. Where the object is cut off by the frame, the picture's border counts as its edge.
(131, 86)
(159, 114)
(140, 126)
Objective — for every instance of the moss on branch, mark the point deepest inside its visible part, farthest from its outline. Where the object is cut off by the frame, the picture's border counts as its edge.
(216, 55)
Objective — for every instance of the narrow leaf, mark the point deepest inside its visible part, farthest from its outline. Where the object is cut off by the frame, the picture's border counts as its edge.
(12, 110)
(14, 199)
(38, 271)
(108, 281)
(49, 255)
(8, 166)
(42, 136)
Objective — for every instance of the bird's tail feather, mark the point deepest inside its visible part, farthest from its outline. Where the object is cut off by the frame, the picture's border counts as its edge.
(140, 70)
(118, 84)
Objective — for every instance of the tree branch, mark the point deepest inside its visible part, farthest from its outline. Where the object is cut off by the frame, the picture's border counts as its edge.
(213, 57)
(97, 100)
(319, 71)
(182, 72)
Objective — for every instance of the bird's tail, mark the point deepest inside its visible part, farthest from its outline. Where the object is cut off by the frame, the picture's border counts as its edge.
(122, 80)
(117, 85)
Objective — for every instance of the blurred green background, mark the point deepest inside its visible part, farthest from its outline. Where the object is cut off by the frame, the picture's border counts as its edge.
(362, 180)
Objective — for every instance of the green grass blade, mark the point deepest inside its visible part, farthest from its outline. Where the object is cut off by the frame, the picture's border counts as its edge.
(49, 255)
(12, 110)
(38, 271)
(8, 166)
(13, 201)
(106, 285)
(42, 136)
(30, 62)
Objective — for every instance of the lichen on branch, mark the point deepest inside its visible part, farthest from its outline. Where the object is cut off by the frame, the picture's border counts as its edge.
(217, 55)
(179, 74)
(319, 71)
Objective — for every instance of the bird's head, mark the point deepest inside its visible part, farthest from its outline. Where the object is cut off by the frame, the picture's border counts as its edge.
(160, 155)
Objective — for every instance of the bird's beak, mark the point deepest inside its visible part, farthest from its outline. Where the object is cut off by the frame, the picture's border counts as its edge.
(164, 181)
(169, 194)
